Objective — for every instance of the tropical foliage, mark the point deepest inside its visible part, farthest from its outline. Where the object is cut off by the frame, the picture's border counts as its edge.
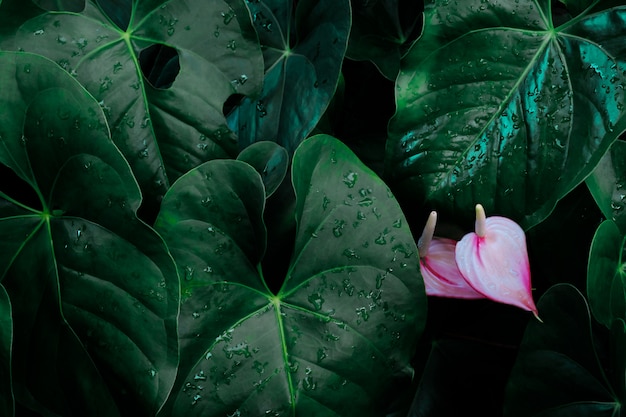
(212, 208)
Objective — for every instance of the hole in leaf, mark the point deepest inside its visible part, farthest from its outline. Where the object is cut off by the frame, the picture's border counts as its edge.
(17, 189)
(160, 65)
(231, 102)
(61, 5)
(118, 11)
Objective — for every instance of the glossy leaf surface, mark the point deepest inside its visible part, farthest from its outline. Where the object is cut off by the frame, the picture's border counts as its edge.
(94, 291)
(606, 288)
(607, 182)
(270, 160)
(303, 47)
(557, 366)
(497, 105)
(348, 314)
(164, 127)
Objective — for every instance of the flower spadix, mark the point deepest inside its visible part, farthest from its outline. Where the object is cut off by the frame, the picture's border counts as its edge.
(494, 261)
(442, 277)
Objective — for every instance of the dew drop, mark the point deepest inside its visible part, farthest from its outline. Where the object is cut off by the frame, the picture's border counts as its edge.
(316, 300)
(188, 273)
(350, 179)
(228, 16)
(261, 109)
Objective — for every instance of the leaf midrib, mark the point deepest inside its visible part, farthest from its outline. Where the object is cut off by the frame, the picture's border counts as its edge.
(447, 175)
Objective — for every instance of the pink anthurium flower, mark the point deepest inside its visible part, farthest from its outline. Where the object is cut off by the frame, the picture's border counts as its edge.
(442, 277)
(494, 261)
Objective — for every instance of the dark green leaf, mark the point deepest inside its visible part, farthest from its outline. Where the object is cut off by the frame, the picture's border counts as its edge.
(270, 160)
(303, 50)
(607, 182)
(94, 291)
(605, 277)
(346, 319)
(61, 5)
(499, 107)
(162, 132)
(557, 372)
(382, 31)
(6, 346)
(617, 373)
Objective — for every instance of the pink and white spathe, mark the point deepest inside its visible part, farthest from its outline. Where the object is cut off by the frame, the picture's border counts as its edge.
(491, 262)
(438, 265)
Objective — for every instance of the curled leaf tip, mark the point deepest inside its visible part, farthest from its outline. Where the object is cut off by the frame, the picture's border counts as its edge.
(481, 219)
(427, 235)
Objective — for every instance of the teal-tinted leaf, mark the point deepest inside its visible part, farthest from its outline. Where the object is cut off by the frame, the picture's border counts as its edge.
(6, 346)
(303, 51)
(497, 106)
(162, 132)
(606, 288)
(94, 291)
(557, 366)
(382, 32)
(346, 318)
(270, 160)
(607, 182)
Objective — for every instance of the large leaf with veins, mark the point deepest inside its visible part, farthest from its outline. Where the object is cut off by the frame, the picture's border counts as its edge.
(497, 104)
(166, 122)
(93, 291)
(303, 45)
(348, 314)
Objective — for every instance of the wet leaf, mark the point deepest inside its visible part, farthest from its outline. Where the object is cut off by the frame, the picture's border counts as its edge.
(348, 314)
(557, 365)
(162, 132)
(606, 288)
(94, 291)
(303, 47)
(496, 105)
(607, 182)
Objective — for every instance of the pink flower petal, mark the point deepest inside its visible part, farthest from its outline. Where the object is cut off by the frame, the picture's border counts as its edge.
(442, 277)
(496, 264)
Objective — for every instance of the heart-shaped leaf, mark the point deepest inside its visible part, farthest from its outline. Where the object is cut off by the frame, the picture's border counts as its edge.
(161, 131)
(303, 44)
(346, 318)
(6, 345)
(607, 182)
(606, 288)
(497, 104)
(494, 261)
(382, 31)
(270, 160)
(557, 366)
(93, 291)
